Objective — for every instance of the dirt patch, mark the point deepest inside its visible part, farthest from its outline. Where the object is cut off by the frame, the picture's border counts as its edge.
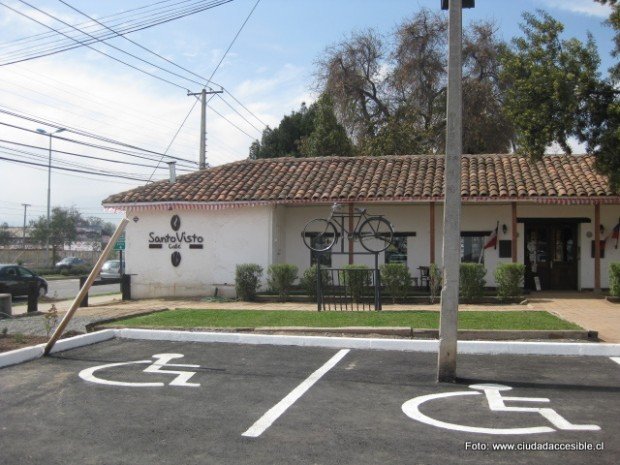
(19, 341)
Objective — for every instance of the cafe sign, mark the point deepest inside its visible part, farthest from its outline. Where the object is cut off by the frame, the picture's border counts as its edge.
(175, 240)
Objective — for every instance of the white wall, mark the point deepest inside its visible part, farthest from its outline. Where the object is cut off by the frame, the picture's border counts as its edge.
(231, 237)
(404, 218)
(272, 234)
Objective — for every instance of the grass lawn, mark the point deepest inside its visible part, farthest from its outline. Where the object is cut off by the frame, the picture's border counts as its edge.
(189, 318)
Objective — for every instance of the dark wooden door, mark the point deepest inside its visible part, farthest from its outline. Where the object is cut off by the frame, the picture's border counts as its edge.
(563, 257)
(551, 255)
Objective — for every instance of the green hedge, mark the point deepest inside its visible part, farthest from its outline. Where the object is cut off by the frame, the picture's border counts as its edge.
(247, 280)
(308, 281)
(281, 278)
(356, 279)
(472, 281)
(397, 280)
(435, 281)
(509, 280)
(614, 279)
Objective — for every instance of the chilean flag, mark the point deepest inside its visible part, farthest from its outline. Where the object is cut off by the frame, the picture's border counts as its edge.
(614, 234)
(492, 242)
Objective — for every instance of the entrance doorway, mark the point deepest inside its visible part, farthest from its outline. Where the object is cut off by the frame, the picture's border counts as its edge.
(551, 256)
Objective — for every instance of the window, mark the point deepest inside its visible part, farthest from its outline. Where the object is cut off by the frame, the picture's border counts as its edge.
(472, 244)
(326, 257)
(397, 251)
(24, 273)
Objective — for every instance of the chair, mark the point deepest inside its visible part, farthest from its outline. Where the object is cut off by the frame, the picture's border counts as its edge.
(425, 276)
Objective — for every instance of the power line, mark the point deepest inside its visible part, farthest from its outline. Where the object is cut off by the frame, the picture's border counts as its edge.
(88, 134)
(36, 156)
(161, 19)
(83, 43)
(243, 117)
(135, 43)
(215, 70)
(74, 170)
(35, 37)
(77, 154)
(158, 55)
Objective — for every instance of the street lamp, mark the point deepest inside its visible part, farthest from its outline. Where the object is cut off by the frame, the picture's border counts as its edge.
(49, 179)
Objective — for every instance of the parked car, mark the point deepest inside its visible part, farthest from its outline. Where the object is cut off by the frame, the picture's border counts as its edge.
(15, 280)
(111, 270)
(69, 262)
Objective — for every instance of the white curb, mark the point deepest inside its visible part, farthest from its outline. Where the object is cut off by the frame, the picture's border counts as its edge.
(428, 345)
(26, 354)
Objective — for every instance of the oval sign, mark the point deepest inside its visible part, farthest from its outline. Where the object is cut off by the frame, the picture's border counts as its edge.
(175, 222)
(175, 258)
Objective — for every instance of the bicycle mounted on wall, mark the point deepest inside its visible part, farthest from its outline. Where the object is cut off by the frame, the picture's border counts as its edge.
(375, 234)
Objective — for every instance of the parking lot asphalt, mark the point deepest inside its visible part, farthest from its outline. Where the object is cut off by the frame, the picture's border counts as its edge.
(199, 403)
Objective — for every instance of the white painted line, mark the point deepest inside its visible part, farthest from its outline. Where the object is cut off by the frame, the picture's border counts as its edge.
(616, 359)
(408, 345)
(161, 361)
(277, 410)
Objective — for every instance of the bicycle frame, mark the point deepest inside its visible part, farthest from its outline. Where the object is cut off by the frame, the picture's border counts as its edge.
(339, 221)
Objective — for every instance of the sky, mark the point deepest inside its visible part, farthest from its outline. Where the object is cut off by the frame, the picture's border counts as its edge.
(268, 70)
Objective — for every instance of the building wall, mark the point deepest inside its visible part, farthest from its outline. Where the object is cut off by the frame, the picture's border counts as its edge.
(230, 237)
(272, 234)
(609, 218)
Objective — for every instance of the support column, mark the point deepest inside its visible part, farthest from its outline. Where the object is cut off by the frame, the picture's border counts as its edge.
(432, 232)
(513, 230)
(448, 319)
(597, 248)
(351, 240)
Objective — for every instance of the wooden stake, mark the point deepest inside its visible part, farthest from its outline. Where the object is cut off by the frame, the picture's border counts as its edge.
(85, 288)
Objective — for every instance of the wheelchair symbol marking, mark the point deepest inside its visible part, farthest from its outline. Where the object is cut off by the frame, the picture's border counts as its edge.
(496, 402)
(158, 367)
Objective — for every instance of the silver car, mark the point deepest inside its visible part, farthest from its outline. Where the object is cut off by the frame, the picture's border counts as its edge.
(111, 270)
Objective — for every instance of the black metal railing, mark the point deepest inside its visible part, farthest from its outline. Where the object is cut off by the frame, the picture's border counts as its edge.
(348, 289)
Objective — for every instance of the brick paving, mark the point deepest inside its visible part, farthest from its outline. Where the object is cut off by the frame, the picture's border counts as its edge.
(583, 308)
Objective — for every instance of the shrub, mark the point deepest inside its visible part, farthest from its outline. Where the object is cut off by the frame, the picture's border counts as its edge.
(397, 279)
(355, 279)
(435, 281)
(614, 279)
(472, 280)
(281, 278)
(509, 279)
(247, 280)
(308, 281)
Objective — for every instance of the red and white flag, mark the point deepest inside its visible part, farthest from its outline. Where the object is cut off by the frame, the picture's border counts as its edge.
(492, 242)
(614, 234)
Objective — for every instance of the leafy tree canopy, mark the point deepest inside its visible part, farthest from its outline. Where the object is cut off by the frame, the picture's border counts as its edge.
(62, 227)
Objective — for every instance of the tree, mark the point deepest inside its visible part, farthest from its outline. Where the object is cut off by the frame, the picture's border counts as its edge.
(285, 140)
(607, 154)
(486, 128)
(328, 137)
(549, 83)
(391, 96)
(310, 132)
(61, 230)
(351, 73)
(5, 235)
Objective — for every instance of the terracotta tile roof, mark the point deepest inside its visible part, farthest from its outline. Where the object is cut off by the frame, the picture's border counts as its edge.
(398, 178)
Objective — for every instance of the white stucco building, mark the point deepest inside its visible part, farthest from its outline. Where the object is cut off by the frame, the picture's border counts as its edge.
(186, 237)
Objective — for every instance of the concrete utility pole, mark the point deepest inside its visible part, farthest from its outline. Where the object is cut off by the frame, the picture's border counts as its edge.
(26, 205)
(49, 180)
(446, 357)
(202, 156)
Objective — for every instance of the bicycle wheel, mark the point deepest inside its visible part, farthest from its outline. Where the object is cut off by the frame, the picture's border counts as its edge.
(319, 235)
(376, 234)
